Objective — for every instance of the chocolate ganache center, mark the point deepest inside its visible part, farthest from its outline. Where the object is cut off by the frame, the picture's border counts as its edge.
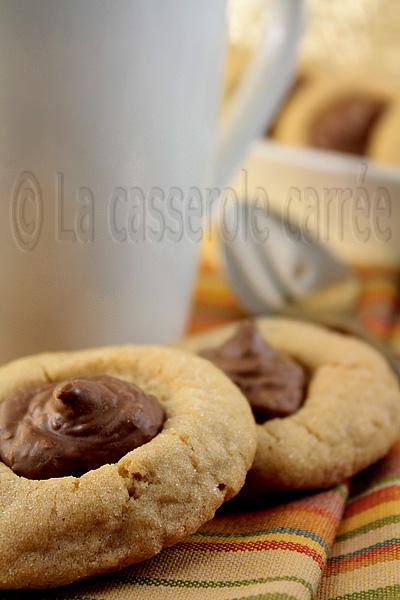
(71, 427)
(273, 383)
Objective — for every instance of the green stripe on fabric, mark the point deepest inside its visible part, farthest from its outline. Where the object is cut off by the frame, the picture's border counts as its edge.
(272, 596)
(366, 549)
(294, 530)
(389, 520)
(198, 584)
(382, 484)
(383, 593)
(342, 490)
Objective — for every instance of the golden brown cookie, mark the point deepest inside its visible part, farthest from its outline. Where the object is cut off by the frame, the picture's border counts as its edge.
(349, 418)
(58, 530)
(385, 140)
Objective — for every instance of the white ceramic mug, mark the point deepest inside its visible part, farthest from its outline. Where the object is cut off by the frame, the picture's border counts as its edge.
(108, 126)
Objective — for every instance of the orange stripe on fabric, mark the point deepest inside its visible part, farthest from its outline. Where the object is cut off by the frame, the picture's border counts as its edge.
(387, 553)
(286, 513)
(369, 272)
(373, 499)
(375, 324)
(256, 547)
(381, 295)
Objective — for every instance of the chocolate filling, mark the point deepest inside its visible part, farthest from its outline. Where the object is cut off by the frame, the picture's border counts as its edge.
(273, 383)
(71, 427)
(346, 125)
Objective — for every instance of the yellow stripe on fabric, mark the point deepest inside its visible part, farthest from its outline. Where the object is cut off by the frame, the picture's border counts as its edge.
(389, 519)
(378, 549)
(359, 581)
(260, 534)
(365, 540)
(383, 483)
(294, 522)
(368, 516)
(315, 517)
(209, 584)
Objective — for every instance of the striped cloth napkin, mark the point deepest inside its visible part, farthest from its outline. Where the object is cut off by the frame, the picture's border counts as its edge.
(341, 544)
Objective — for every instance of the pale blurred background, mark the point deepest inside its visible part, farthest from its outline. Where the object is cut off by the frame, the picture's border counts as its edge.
(339, 35)
(344, 42)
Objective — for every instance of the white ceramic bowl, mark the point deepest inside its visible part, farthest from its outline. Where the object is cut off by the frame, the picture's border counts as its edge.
(349, 203)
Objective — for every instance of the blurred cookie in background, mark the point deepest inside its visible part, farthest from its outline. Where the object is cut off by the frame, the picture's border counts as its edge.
(346, 92)
(340, 114)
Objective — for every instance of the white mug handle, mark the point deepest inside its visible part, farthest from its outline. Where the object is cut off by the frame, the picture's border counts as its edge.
(261, 90)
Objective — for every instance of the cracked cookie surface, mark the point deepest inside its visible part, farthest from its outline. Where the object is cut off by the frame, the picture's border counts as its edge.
(55, 531)
(349, 419)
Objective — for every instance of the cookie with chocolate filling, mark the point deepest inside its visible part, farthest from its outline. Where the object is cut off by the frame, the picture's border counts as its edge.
(109, 455)
(334, 114)
(327, 404)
